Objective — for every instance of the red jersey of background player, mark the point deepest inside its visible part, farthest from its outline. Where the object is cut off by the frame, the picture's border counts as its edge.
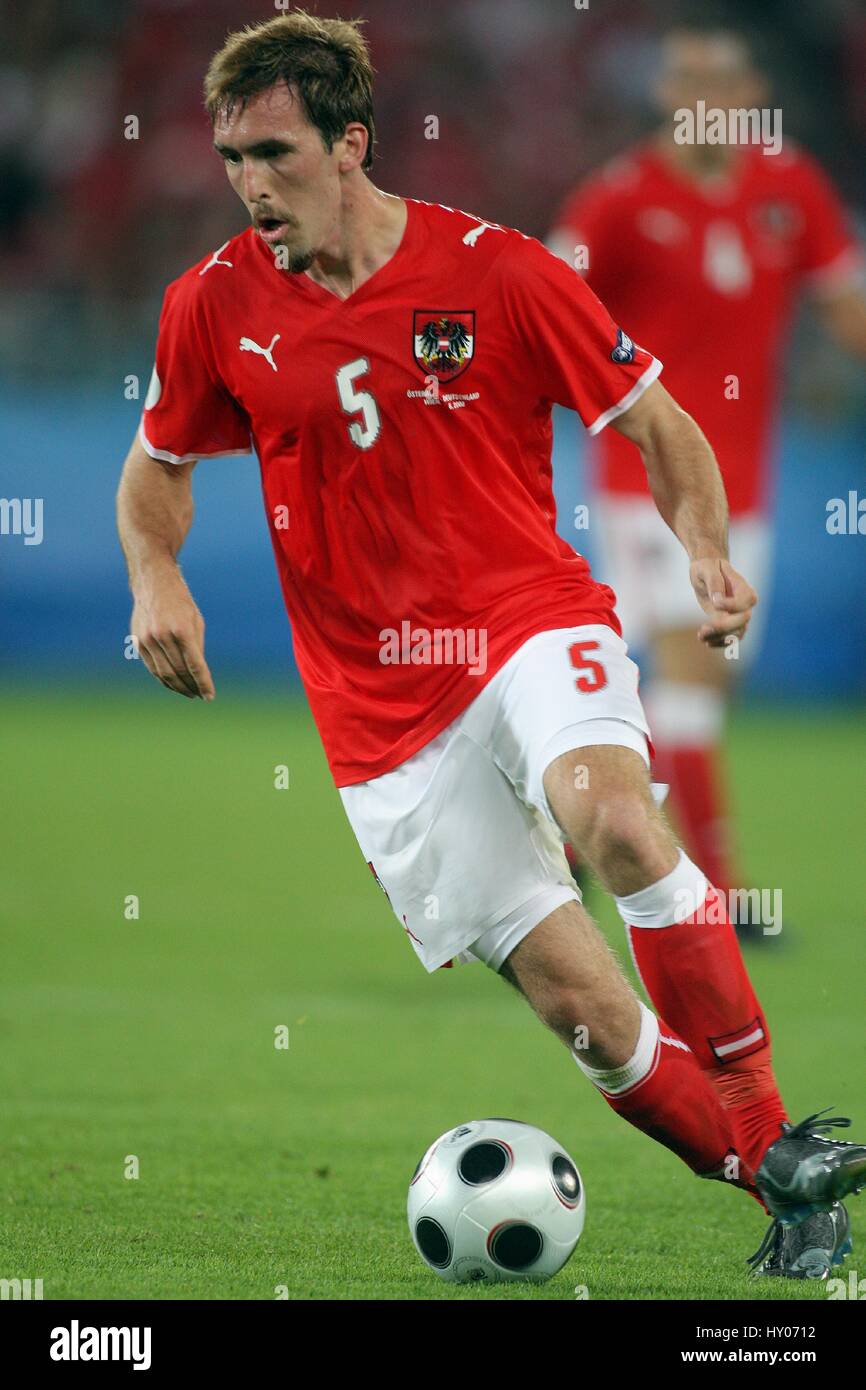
(707, 273)
(404, 436)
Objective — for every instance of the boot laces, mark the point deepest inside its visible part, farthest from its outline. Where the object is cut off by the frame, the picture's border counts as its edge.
(772, 1241)
(813, 1124)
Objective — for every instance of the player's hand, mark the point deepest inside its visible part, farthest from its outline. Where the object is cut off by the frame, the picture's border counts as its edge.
(726, 598)
(169, 631)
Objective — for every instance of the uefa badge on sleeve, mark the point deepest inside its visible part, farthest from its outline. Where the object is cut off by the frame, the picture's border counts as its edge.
(624, 350)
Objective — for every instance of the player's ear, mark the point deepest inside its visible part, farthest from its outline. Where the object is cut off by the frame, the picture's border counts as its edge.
(354, 142)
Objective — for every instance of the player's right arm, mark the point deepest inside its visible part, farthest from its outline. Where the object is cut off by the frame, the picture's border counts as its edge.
(154, 514)
(188, 415)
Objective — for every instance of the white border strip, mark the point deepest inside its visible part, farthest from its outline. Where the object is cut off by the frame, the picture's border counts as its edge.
(629, 399)
(166, 457)
(726, 1048)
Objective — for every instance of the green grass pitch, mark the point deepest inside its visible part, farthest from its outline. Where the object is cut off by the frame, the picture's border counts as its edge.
(261, 1168)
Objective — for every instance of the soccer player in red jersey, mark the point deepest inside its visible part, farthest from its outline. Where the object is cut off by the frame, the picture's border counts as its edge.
(704, 247)
(393, 363)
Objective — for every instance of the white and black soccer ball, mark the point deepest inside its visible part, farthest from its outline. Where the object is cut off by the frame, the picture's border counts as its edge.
(496, 1200)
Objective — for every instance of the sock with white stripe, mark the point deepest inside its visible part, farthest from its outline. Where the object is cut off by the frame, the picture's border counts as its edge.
(688, 957)
(662, 1091)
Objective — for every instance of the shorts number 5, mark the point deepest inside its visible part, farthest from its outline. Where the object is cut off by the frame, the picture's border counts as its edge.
(593, 675)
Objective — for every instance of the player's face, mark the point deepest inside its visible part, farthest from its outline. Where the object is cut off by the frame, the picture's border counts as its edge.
(278, 165)
(715, 70)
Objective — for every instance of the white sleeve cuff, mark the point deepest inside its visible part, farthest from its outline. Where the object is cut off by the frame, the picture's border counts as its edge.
(165, 456)
(628, 399)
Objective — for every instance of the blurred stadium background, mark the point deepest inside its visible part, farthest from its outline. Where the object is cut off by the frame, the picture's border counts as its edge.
(125, 1040)
(530, 97)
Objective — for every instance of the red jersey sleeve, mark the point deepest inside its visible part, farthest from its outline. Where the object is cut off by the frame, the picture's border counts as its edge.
(829, 253)
(574, 352)
(188, 413)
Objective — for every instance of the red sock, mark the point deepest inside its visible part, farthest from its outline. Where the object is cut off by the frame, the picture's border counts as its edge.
(750, 1094)
(694, 974)
(698, 803)
(675, 1105)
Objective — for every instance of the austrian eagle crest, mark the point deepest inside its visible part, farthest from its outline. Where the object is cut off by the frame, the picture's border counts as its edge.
(444, 341)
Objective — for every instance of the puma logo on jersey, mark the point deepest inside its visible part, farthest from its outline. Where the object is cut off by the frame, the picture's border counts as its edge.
(215, 260)
(247, 345)
(475, 232)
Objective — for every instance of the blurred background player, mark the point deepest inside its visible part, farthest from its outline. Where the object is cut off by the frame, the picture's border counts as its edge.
(701, 249)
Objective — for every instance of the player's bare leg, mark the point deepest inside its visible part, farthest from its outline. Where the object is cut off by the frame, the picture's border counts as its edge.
(567, 971)
(571, 978)
(683, 944)
(686, 702)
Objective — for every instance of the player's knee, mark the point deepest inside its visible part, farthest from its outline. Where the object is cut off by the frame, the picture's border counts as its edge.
(622, 830)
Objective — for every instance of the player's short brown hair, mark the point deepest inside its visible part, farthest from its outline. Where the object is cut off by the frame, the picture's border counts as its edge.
(326, 62)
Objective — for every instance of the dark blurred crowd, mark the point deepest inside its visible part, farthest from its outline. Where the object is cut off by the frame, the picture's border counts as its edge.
(529, 94)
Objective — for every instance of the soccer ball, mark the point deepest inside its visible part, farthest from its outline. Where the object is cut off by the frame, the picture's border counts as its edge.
(496, 1200)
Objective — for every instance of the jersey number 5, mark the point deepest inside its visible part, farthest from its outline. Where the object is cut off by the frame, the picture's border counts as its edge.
(593, 675)
(363, 436)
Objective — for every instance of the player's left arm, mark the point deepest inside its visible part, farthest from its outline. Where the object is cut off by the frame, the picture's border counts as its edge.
(688, 490)
(844, 318)
(581, 359)
(830, 257)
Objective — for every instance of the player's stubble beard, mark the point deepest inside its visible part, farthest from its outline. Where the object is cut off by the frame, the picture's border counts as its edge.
(299, 261)
(293, 262)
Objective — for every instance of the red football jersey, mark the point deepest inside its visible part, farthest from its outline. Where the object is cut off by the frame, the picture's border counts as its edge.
(707, 273)
(404, 437)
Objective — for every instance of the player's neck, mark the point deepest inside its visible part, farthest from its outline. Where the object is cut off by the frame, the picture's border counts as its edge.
(367, 233)
(698, 162)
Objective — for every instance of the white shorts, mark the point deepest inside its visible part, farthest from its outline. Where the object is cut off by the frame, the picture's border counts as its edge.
(646, 566)
(461, 836)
